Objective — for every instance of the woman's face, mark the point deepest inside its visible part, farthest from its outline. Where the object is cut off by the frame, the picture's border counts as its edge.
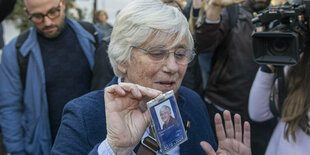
(164, 115)
(164, 76)
(102, 16)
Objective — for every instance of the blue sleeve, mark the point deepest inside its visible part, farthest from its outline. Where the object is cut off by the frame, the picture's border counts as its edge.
(204, 120)
(11, 106)
(197, 122)
(72, 134)
(209, 131)
(105, 149)
(100, 35)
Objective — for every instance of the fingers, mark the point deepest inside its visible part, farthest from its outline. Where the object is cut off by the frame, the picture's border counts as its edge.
(225, 3)
(114, 89)
(229, 128)
(220, 132)
(166, 1)
(149, 91)
(238, 1)
(135, 90)
(233, 132)
(131, 89)
(207, 148)
(140, 91)
(247, 134)
(238, 127)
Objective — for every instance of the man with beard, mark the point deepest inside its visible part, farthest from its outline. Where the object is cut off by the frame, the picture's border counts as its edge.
(233, 68)
(60, 61)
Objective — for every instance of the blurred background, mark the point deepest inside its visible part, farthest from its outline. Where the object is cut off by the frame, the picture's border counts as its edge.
(77, 9)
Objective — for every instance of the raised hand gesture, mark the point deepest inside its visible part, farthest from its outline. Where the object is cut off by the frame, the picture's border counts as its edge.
(198, 3)
(126, 121)
(231, 141)
(214, 8)
(224, 3)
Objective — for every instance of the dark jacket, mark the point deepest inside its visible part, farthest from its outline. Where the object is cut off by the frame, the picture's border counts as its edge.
(6, 7)
(83, 125)
(233, 67)
(106, 30)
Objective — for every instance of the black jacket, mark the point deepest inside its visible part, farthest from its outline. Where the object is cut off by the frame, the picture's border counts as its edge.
(233, 67)
(6, 7)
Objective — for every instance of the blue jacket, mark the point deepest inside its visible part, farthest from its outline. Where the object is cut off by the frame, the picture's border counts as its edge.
(25, 126)
(83, 125)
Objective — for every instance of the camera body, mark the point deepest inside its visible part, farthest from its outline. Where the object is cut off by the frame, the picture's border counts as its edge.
(284, 30)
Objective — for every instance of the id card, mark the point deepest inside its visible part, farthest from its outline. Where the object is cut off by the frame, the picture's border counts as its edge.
(167, 124)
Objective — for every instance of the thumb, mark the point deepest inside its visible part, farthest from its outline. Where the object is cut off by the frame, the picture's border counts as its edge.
(207, 148)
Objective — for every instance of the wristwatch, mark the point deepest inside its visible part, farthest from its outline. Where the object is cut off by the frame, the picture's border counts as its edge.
(150, 143)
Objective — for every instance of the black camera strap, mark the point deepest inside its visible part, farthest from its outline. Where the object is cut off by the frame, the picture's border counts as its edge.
(276, 108)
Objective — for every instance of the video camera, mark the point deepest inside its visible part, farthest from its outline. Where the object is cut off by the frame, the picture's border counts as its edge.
(283, 36)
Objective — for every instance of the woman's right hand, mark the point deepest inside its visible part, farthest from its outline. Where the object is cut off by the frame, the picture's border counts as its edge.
(126, 122)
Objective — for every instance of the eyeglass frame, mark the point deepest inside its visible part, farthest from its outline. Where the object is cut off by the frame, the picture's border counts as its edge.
(190, 56)
(58, 9)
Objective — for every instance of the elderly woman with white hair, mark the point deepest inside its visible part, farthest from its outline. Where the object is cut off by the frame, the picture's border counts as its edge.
(150, 48)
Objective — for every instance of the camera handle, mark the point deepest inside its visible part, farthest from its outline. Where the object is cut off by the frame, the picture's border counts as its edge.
(279, 75)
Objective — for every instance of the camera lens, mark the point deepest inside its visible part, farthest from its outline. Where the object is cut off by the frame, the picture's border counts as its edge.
(278, 46)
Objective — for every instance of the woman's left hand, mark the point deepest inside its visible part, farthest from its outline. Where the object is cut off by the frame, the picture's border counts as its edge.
(230, 139)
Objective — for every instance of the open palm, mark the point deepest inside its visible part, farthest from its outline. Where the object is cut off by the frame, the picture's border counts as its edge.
(230, 139)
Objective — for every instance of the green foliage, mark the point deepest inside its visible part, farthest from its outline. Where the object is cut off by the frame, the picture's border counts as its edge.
(73, 11)
(20, 19)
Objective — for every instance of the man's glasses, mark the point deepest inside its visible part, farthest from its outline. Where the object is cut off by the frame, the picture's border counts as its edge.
(182, 56)
(51, 14)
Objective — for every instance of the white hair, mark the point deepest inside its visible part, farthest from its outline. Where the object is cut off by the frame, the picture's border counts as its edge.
(141, 20)
(165, 108)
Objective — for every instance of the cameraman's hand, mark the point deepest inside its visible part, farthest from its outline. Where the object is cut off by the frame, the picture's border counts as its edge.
(214, 8)
(197, 4)
(272, 68)
(167, 1)
(223, 3)
(126, 122)
(231, 142)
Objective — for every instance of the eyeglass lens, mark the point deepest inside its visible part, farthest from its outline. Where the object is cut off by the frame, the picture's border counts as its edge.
(181, 55)
(51, 14)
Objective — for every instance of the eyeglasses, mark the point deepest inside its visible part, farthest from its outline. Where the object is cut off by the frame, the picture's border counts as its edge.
(163, 113)
(182, 56)
(51, 14)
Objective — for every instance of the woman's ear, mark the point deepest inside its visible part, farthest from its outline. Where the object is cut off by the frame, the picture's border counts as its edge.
(122, 68)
